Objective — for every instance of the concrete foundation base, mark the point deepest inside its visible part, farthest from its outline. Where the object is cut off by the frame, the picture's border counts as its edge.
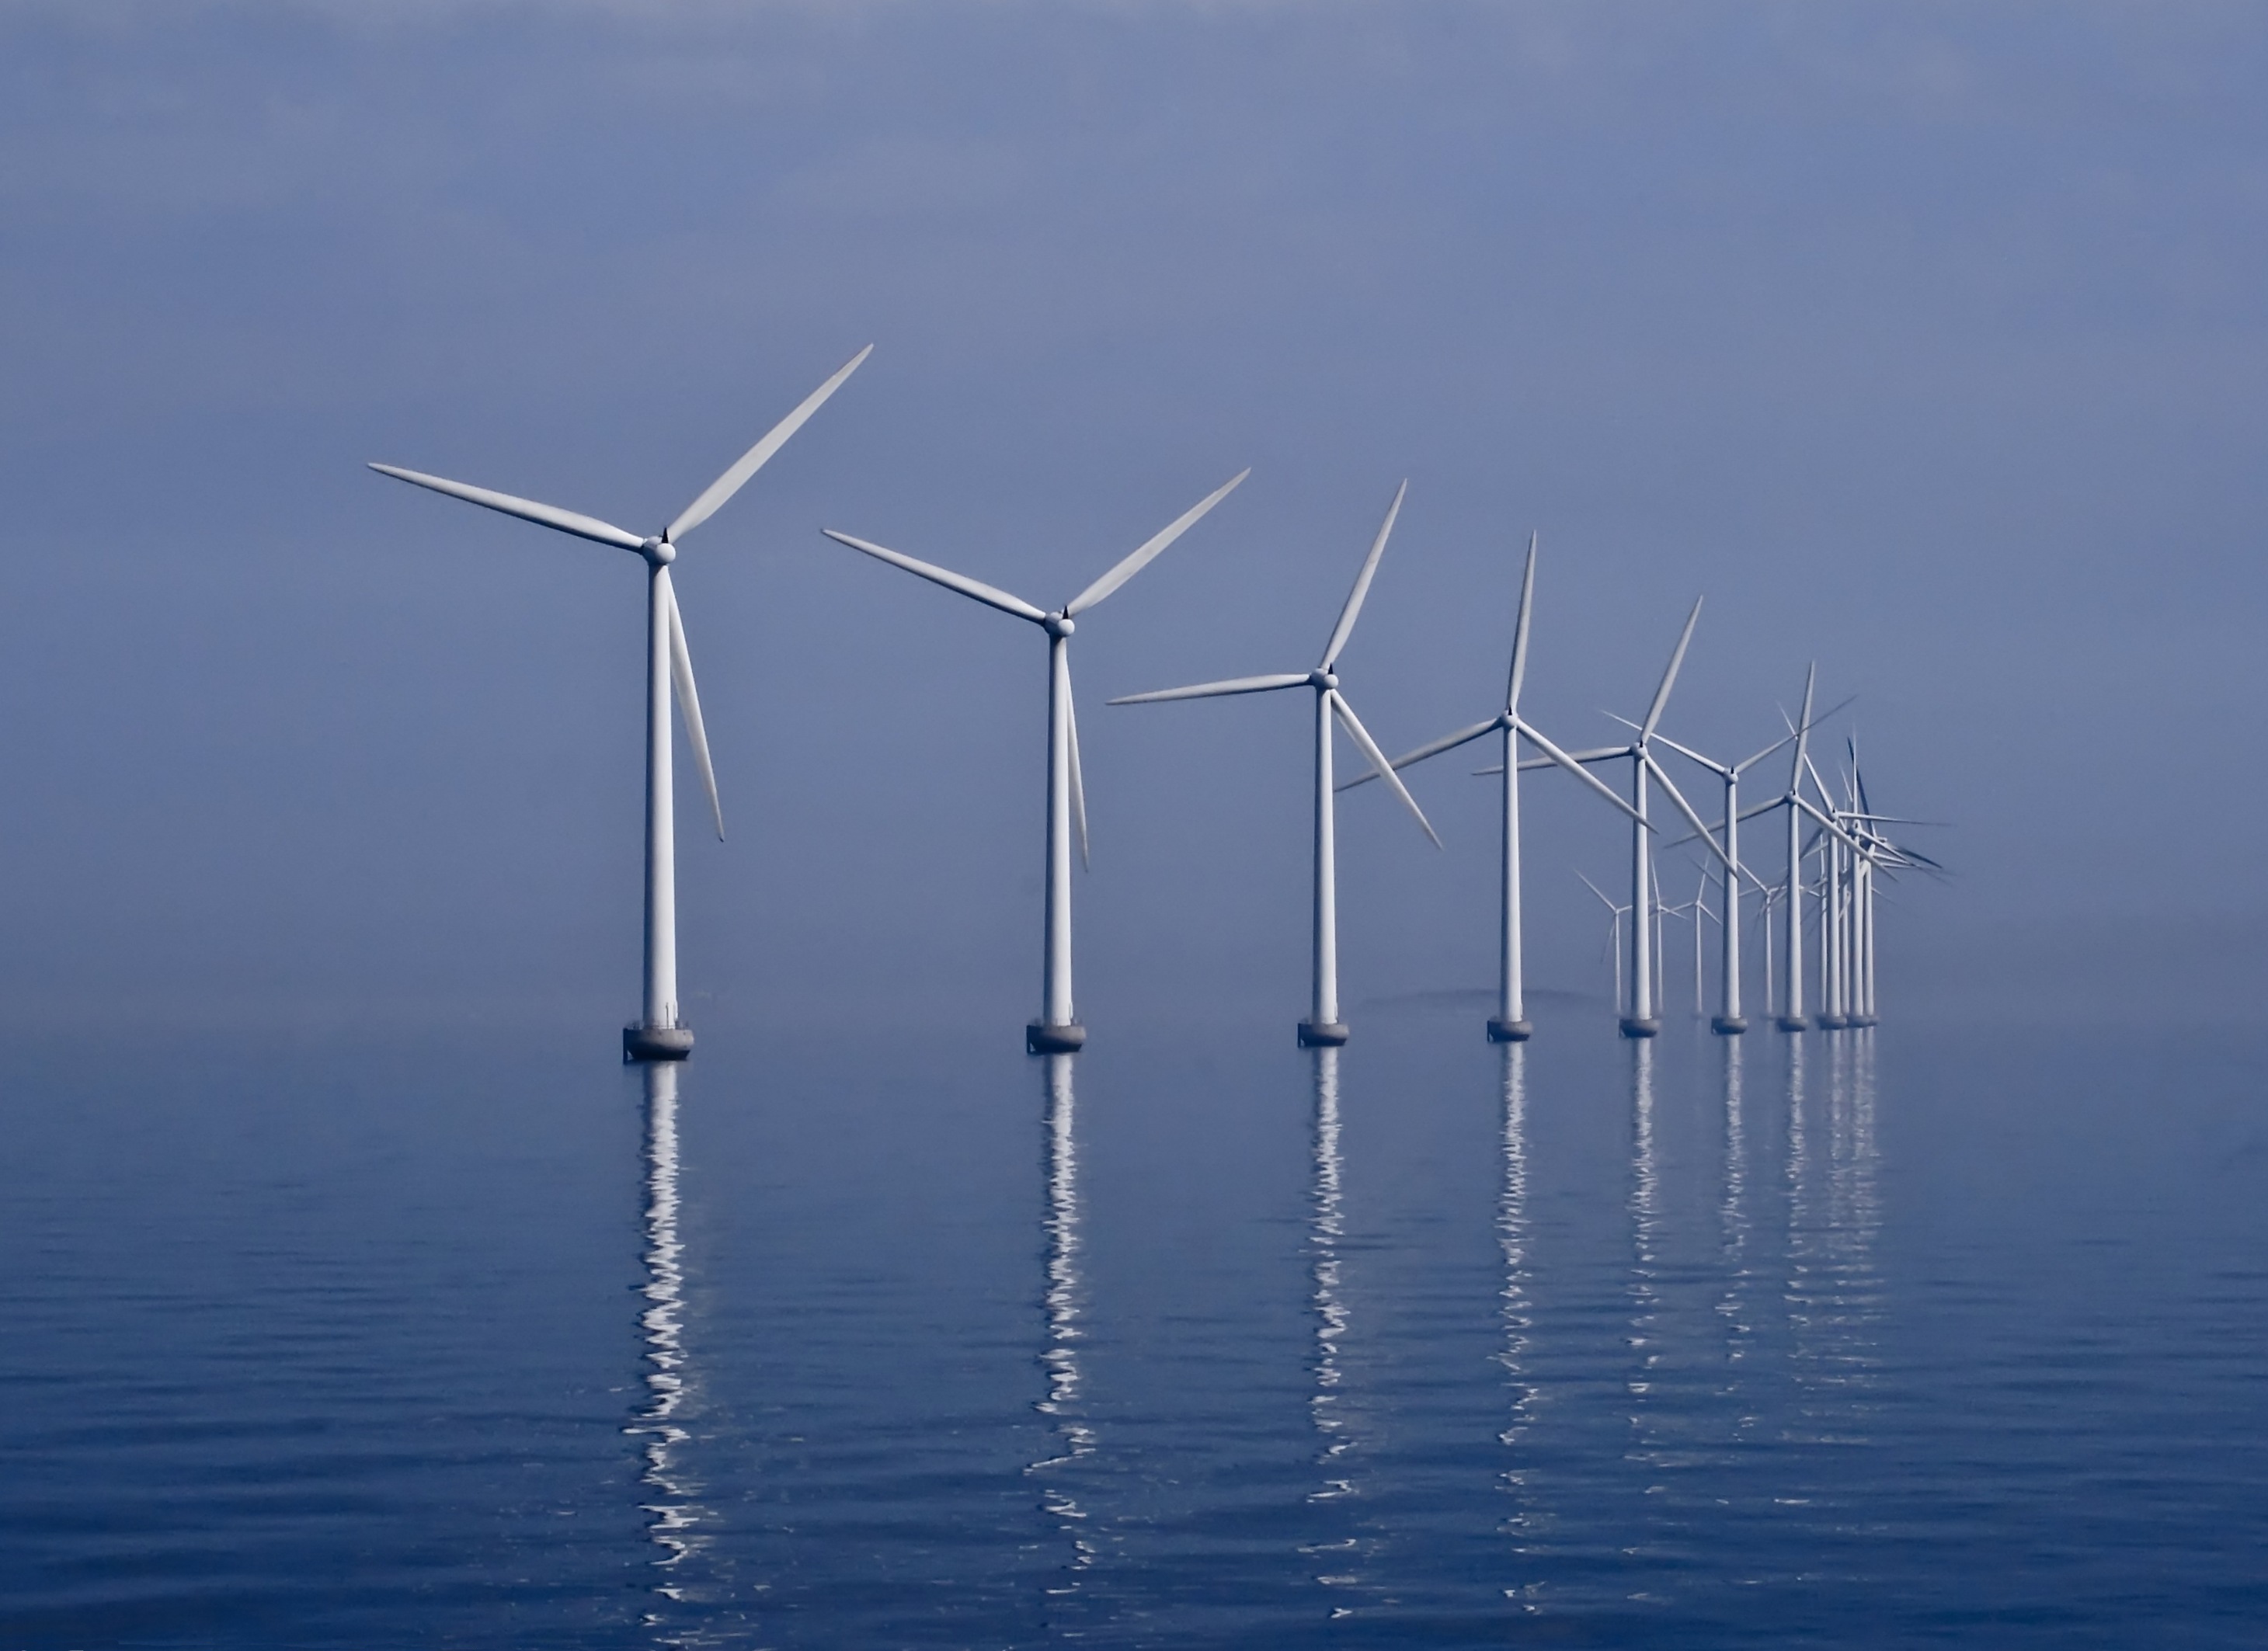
(1633, 1027)
(1322, 1034)
(1509, 1031)
(1793, 1024)
(1040, 1038)
(1833, 1023)
(1728, 1026)
(656, 1043)
(1864, 1020)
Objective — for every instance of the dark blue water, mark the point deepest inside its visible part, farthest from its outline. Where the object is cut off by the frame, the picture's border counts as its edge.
(1913, 1337)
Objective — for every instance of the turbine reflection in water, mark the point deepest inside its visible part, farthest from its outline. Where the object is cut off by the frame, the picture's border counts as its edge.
(1062, 1304)
(1733, 1303)
(672, 1501)
(1833, 1295)
(1646, 1234)
(1842, 1359)
(1518, 1307)
(1326, 1236)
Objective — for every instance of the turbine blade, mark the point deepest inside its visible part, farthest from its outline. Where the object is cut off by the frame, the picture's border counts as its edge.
(1447, 742)
(731, 482)
(526, 510)
(1143, 557)
(1345, 628)
(1573, 764)
(689, 705)
(1745, 763)
(1763, 808)
(1210, 690)
(1669, 677)
(968, 587)
(1803, 729)
(1594, 889)
(1077, 781)
(1826, 797)
(1360, 735)
(1828, 825)
(1519, 632)
(1690, 755)
(1661, 777)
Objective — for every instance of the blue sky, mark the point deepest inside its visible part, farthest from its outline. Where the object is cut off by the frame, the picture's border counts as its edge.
(1925, 341)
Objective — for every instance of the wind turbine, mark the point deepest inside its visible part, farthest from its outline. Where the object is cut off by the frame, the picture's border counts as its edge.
(1698, 909)
(660, 1034)
(1510, 1024)
(1793, 1018)
(1614, 935)
(1642, 1021)
(1881, 854)
(1057, 1030)
(1729, 1021)
(1322, 1027)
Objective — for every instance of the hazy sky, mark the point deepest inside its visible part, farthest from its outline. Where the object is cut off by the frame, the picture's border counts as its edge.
(1925, 341)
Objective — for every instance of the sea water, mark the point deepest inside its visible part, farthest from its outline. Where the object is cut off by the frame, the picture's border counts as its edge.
(1912, 1336)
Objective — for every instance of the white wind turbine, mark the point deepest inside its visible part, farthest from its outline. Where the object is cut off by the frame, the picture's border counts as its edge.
(1642, 1021)
(1323, 1026)
(1793, 1018)
(1614, 935)
(1057, 1030)
(1881, 854)
(1729, 1021)
(1509, 1024)
(661, 1034)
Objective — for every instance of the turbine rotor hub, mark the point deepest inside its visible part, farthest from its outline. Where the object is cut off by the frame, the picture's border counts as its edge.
(1060, 625)
(1320, 679)
(658, 551)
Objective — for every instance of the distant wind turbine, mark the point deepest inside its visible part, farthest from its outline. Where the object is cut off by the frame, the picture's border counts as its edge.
(1729, 1021)
(660, 1034)
(1642, 1021)
(1510, 1023)
(1614, 935)
(1793, 1018)
(1322, 1025)
(1057, 1030)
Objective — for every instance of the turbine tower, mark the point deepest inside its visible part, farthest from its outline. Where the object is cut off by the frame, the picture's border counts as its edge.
(1729, 1021)
(1509, 1024)
(1643, 1021)
(1057, 1030)
(1322, 1027)
(661, 1032)
(1613, 936)
(1793, 1018)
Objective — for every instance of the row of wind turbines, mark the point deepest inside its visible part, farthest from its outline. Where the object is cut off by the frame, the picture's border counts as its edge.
(1847, 843)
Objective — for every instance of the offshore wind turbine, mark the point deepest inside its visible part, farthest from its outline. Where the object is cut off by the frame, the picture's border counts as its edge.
(1613, 936)
(1642, 1021)
(1729, 1021)
(661, 1034)
(1509, 1024)
(1881, 854)
(1322, 1028)
(1793, 1018)
(1057, 1030)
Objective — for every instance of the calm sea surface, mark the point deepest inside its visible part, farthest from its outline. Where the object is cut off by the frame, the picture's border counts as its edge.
(1904, 1338)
